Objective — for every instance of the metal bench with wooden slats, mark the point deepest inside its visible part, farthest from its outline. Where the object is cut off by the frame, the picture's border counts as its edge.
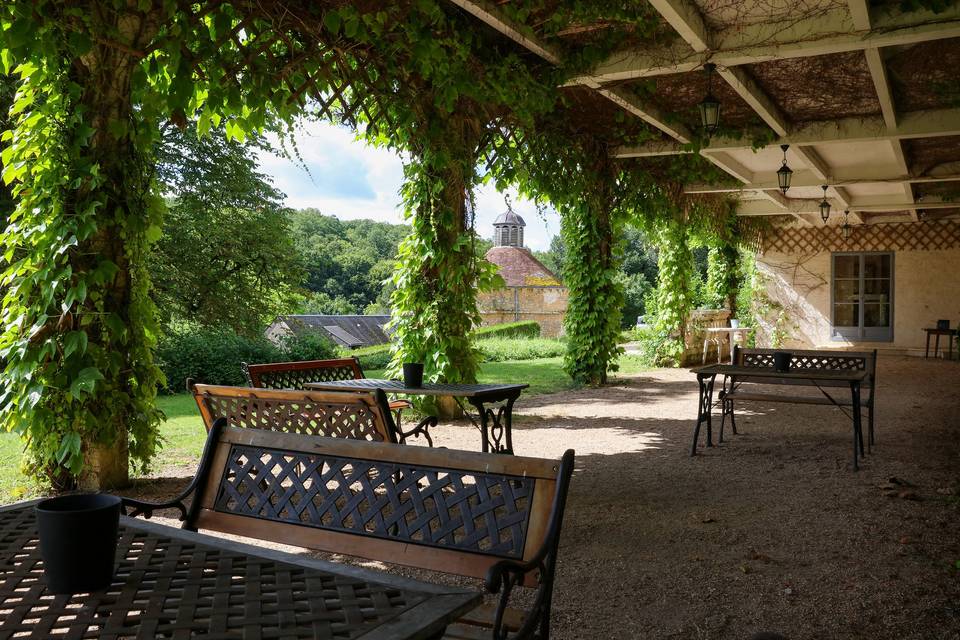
(751, 389)
(294, 375)
(469, 514)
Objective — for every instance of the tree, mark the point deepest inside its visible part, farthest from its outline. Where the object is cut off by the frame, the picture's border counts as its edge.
(226, 257)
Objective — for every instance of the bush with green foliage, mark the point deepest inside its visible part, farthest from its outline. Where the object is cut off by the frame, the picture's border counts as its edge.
(509, 349)
(378, 356)
(213, 356)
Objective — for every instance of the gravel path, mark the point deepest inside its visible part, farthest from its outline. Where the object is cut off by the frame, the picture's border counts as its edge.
(771, 531)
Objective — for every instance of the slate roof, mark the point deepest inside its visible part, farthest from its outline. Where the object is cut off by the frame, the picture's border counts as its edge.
(347, 331)
(520, 269)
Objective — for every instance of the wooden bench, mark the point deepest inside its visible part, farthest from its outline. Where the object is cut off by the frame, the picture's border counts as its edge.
(751, 389)
(470, 514)
(294, 375)
(359, 415)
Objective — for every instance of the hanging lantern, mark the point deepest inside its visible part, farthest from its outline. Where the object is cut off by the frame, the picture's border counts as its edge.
(709, 106)
(824, 206)
(845, 228)
(784, 173)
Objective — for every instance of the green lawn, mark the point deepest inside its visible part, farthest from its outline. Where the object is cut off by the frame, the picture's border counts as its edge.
(183, 432)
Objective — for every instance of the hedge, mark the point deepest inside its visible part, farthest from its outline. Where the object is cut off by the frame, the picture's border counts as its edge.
(213, 356)
(378, 356)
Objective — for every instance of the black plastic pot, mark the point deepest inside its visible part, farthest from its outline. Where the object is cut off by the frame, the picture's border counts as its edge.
(78, 541)
(413, 375)
(781, 361)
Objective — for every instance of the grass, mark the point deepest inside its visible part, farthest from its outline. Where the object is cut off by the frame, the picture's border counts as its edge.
(183, 432)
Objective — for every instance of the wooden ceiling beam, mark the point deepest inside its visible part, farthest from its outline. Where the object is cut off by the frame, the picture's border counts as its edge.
(488, 13)
(833, 32)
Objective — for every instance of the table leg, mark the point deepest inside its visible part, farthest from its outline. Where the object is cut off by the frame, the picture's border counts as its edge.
(936, 346)
(857, 431)
(926, 353)
(704, 404)
(496, 423)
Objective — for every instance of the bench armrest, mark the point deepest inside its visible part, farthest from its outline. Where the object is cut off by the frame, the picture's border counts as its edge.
(133, 507)
(503, 576)
(420, 430)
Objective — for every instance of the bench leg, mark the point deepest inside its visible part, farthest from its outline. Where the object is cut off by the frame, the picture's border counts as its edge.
(705, 402)
(871, 441)
(857, 432)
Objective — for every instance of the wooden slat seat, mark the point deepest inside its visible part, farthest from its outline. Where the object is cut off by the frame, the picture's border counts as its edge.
(471, 514)
(761, 389)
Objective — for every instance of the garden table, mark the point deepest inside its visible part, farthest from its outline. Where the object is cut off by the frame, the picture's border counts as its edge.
(707, 375)
(172, 583)
(495, 424)
(938, 331)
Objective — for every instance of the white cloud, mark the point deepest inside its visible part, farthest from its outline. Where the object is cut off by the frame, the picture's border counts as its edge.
(351, 180)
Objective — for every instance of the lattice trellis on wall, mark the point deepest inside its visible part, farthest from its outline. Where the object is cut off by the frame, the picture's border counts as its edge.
(909, 236)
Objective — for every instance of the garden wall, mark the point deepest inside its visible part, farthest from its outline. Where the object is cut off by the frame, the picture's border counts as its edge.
(545, 305)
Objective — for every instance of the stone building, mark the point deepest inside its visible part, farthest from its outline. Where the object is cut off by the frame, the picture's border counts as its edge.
(532, 291)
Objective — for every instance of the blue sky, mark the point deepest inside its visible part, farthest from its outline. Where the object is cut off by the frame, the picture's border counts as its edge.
(352, 180)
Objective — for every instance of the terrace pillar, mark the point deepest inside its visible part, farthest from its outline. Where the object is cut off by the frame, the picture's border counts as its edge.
(438, 274)
(591, 229)
(83, 378)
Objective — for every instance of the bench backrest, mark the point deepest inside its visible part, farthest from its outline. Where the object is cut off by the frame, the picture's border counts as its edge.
(805, 359)
(339, 414)
(438, 509)
(293, 375)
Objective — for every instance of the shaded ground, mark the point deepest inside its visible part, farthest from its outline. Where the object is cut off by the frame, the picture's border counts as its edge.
(771, 531)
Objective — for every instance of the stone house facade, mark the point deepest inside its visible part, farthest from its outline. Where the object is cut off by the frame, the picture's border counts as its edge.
(532, 291)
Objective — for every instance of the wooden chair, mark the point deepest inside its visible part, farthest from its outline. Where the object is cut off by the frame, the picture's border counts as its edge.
(470, 514)
(293, 375)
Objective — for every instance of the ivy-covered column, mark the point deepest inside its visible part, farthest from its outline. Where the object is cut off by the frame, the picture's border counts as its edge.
(591, 228)
(78, 325)
(675, 293)
(438, 275)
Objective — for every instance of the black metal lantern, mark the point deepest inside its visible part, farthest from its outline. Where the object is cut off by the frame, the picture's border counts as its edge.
(709, 106)
(845, 227)
(784, 173)
(824, 206)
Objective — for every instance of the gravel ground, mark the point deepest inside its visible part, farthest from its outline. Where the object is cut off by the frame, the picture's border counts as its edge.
(770, 531)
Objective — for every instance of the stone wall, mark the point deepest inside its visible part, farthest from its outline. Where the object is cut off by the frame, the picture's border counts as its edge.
(545, 305)
(926, 282)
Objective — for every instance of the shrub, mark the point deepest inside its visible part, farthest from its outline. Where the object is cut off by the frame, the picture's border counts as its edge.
(522, 329)
(507, 349)
(309, 346)
(377, 356)
(213, 356)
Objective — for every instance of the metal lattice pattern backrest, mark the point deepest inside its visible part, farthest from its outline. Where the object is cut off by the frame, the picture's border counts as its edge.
(450, 509)
(294, 375)
(838, 362)
(168, 587)
(335, 415)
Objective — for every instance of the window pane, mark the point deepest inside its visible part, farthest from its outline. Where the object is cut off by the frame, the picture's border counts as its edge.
(876, 290)
(846, 291)
(846, 267)
(876, 266)
(876, 315)
(846, 315)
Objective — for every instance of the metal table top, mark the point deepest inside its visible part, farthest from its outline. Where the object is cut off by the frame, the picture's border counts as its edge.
(172, 583)
(839, 375)
(428, 388)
